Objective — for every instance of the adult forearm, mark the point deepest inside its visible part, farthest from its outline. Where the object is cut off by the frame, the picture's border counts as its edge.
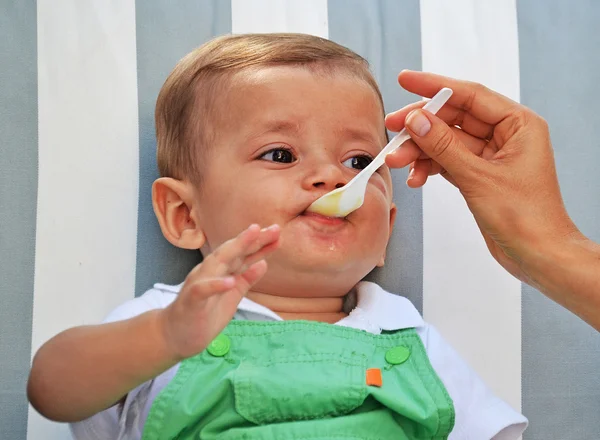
(86, 369)
(568, 272)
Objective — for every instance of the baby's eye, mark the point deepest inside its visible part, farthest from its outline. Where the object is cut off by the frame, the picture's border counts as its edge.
(358, 162)
(281, 155)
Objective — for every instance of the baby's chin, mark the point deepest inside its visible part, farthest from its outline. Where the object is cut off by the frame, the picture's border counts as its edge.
(331, 254)
(320, 274)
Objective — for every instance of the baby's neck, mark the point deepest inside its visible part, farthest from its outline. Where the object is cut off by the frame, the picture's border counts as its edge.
(312, 309)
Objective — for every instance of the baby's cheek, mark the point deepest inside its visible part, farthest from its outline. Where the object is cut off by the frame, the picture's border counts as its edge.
(378, 185)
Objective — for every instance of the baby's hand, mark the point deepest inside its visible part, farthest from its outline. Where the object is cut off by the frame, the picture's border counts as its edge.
(212, 291)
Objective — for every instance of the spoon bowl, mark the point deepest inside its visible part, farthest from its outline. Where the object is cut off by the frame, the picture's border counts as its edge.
(342, 201)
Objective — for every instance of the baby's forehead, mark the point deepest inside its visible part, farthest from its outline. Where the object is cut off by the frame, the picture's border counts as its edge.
(282, 92)
(268, 74)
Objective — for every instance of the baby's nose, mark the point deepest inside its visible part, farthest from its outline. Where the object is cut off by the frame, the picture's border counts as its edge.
(327, 176)
(322, 184)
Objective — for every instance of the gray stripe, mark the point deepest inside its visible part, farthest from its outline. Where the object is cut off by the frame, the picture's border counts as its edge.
(387, 33)
(164, 35)
(560, 67)
(18, 196)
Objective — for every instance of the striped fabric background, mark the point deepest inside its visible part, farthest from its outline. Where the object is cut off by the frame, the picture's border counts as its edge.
(78, 82)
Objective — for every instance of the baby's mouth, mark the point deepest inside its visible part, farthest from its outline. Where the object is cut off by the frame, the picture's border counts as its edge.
(326, 220)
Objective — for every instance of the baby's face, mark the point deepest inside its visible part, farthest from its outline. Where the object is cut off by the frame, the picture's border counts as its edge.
(285, 137)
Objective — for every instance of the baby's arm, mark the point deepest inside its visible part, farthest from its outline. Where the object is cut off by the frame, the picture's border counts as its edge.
(86, 369)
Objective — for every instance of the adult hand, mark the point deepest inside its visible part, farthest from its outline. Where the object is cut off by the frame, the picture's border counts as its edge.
(498, 154)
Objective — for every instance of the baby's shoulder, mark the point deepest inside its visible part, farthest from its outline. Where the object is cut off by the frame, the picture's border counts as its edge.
(158, 297)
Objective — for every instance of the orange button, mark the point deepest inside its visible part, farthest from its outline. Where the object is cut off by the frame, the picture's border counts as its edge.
(374, 377)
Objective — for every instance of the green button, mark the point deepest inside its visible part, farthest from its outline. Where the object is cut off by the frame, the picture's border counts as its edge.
(219, 346)
(397, 355)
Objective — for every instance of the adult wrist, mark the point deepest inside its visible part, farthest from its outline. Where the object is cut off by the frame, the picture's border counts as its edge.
(546, 259)
(567, 270)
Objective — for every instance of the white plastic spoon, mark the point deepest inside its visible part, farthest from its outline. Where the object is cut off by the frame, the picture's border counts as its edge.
(342, 201)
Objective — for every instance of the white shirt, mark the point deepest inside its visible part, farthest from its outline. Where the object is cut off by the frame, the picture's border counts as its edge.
(479, 414)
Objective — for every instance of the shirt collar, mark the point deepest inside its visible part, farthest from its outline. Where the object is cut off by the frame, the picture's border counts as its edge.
(375, 310)
(245, 304)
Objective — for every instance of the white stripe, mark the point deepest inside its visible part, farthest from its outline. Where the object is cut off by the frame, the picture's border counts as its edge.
(304, 16)
(88, 169)
(473, 301)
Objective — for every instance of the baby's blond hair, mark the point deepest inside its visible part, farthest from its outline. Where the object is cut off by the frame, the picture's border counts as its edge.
(187, 101)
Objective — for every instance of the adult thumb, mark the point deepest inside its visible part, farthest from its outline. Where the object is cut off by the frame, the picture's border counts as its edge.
(436, 139)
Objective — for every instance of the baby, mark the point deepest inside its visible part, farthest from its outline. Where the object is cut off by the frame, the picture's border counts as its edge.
(273, 335)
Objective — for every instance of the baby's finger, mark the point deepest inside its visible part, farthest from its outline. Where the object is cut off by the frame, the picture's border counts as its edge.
(259, 255)
(230, 256)
(251, 275)
(268, 237)
(206, 287)
(228, 250)
(244, 282)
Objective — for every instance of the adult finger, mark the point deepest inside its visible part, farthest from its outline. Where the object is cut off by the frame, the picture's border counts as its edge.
(476, 99)
(451, 115)
(441, 144)
(419, 173)
(406, 154)
(394, 121)
(421, 178)
(409, 151)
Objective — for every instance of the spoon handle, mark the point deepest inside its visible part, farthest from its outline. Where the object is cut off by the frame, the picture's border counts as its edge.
(433, 106)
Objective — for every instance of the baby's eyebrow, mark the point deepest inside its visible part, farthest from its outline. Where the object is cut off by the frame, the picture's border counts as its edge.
(357, 134)
(276, 127)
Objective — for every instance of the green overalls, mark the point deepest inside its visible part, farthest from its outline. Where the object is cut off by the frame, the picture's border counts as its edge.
(304, 380)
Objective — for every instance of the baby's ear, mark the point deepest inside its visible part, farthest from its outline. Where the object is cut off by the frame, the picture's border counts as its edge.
(393, 210)
(173, 202)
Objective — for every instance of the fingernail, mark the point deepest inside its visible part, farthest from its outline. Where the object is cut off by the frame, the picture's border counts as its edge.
(418, 123)
(229, 281)
(411, 174)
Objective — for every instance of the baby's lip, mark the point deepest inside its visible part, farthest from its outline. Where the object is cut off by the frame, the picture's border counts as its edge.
(323, 218)
(306, 212)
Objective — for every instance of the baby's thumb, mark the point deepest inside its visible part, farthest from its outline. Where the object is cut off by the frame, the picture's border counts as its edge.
(435, 138)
